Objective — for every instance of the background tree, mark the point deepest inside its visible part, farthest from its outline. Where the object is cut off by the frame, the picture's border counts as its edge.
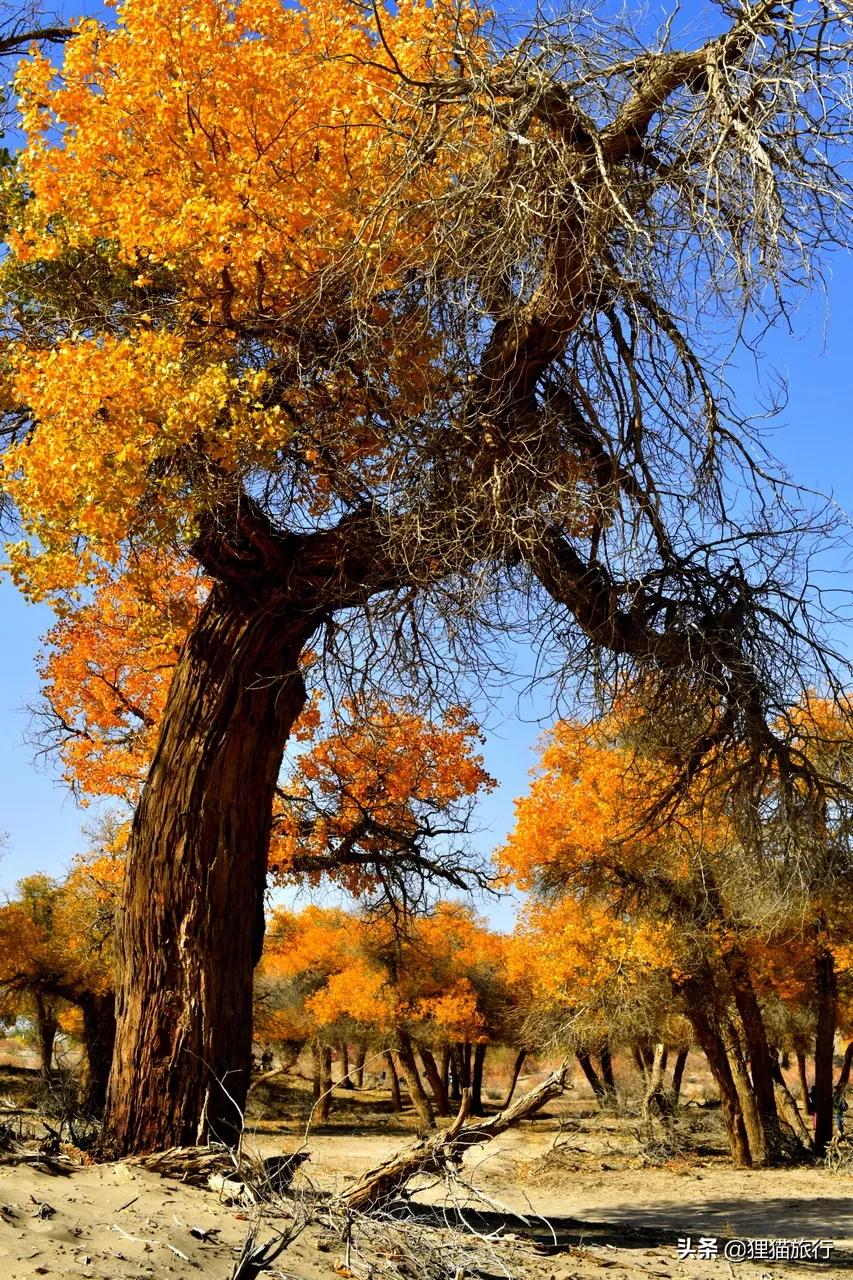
(408, 340)
(707, 902)
(56, 949)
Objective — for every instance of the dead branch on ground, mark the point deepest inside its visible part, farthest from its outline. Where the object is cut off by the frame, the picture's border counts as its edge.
(435, 1153)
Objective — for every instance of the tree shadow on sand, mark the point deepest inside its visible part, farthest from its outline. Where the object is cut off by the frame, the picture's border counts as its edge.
(644, 1226)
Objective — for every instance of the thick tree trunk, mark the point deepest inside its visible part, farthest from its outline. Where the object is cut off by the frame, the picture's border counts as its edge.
(393, 1080)
(804, 1083)
(191, 926)
(678, 1075)
(409, 1068)
(592, 1076)
(826, 988)
(99, 1033)
(435, 1082)
(516, 1072)
(480, 1051)
(761, 1062)
(844, 1074)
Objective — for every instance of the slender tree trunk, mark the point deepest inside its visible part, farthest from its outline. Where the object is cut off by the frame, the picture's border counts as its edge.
(678, 1074)
(462, 1066)
(346, 1080)
(743, 1084)
(640, 1062)
(393, 1081)
(191, 926)
(657, 1102)
(480, 1051)
(761, 1062)
(445, 1069)
(455, 1091)
(826, 985)
(789, 1111)
(433, 1075)
(516, 1072)
(360, 1058)
(465, 1051)
(700, 1007)
(322, 1055)
(605, 1062)
(99, 1033)
(804, 1083)
(592, 1076)
(47, 1026)
(844, 1074)
(409, 1068)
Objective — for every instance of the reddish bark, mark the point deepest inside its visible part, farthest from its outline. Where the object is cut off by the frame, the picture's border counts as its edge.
(191, 926)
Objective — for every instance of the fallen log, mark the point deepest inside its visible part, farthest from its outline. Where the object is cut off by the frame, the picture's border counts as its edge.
(436, 1151)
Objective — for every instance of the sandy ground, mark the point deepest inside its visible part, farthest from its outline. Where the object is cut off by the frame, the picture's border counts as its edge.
(570, 1196)
(117, 1221)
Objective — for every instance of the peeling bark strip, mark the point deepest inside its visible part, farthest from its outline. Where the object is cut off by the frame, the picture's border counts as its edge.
(433, 1153)
(191, 926)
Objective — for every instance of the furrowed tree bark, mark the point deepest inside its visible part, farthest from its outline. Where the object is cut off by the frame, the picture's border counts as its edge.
(99, 1034)
(190, 929)
(826, 988)
(435, 1152)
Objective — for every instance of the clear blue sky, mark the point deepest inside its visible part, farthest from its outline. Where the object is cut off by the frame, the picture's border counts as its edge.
(813, 438)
